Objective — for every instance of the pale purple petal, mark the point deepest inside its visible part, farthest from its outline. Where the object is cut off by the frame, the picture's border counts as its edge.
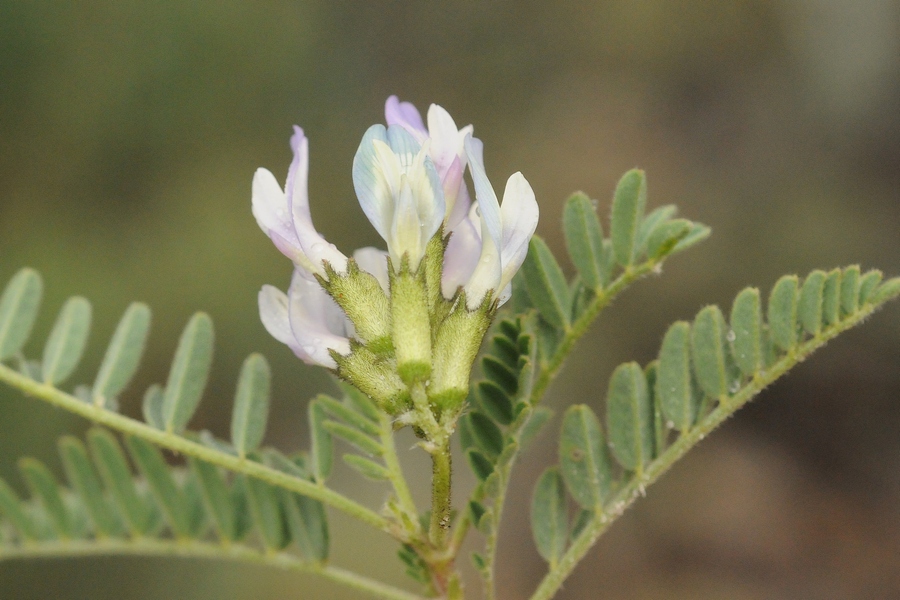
(456, 194)
(270, 208)
(317, 323)
(316, 248)
(488, 205)
(460, 258)
(519, 213)
(407, 116)
(273, 312)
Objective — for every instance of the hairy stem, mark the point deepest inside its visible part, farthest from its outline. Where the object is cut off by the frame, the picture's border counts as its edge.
(148, 547)
(398, 481)
(440, 495)
(636, 487)
(182, 445)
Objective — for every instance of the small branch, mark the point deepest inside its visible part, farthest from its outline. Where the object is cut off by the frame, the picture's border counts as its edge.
(187, 447)
(728, 405)
(206, 550)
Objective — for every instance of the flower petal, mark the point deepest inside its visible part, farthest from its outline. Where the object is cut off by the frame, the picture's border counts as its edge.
(519, 214)
(488, 205)
(273, 312)
(317, 323)
(445, 141)
(372, 189)
(270, 207)
(316, 248)
(407, 116)
(460, 258)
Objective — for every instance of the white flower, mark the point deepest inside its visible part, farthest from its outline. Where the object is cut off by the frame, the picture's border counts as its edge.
(399, 191)
(488, 247)
(284, 215)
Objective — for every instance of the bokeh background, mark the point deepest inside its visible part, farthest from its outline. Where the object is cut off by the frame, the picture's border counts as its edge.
(129, 133)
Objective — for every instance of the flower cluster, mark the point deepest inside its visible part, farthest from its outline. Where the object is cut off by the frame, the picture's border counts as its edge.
(415, 314)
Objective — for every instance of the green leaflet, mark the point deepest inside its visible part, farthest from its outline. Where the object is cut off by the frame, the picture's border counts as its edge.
(217, 498)
(152, 406)
(665, 237)
(367, 468)
(123, 355)
(709, 353)
(850, 290)
(630, 417)
(347, 414)
(546, 284)
(481, 466)
(307, 523)
(500, 374)
(494, 401)
(660, 427)
(67, 340)
(11, 506)
(355, 437)
(674, 382)
(809, 304)
(629, 201)
(44, 486)
(697, 234)
(549, 517)
(831, 298)
(266, 510)
(486, 436)
(116, 475)
(868, 283)
(746, 331)
(584, 240)
(654, 218)
(198, 519)
(152, 465)
(322, 444)
(782, 312)
(583, 459)
(81, 475)
(251, 405)
(18, 310)
(190, 369)
(887, 290)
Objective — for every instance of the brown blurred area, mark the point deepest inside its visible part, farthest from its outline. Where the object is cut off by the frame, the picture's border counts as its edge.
(129, 132)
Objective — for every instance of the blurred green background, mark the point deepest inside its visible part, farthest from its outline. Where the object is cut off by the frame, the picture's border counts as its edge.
(129, 133)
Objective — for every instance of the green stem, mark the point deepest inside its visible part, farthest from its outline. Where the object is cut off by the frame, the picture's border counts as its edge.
(398, 481)
(440, 495)
(187, 447)
(636, 487)
(146, 547)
